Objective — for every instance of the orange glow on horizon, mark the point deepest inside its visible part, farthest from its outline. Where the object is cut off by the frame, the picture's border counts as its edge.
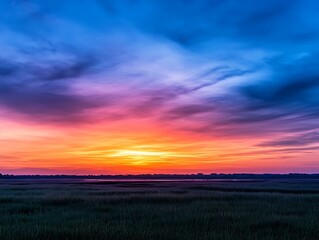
(128, 147)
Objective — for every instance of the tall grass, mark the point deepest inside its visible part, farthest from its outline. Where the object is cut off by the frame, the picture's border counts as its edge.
(194, 211)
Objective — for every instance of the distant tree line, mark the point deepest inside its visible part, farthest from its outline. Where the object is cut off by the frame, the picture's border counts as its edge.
(176, 176)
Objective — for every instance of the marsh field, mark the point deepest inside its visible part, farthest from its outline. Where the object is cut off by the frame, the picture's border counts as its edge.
(159, 210)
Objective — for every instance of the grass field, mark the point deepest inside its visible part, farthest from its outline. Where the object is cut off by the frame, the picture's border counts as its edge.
(159, 210)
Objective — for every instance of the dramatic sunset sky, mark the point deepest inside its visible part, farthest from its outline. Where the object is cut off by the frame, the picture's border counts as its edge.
(159, 86)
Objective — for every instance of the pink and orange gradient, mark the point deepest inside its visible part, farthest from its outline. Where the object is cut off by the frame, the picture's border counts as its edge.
(134, 146)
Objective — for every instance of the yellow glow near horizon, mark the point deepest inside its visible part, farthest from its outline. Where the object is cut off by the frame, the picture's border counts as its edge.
(140, 157)
(134, 153)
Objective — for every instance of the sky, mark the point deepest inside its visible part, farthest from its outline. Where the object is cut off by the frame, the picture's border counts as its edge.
(159, 86)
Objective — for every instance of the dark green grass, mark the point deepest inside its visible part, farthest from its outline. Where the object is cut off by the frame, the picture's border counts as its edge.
(174, 210)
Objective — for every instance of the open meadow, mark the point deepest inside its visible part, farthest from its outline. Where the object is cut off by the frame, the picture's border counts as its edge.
(159, 210)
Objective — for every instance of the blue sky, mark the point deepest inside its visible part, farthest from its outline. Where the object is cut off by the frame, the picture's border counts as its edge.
(220, 68)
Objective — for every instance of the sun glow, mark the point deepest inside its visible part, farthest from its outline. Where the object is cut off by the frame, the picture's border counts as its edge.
(141, 158)
(138, 154)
